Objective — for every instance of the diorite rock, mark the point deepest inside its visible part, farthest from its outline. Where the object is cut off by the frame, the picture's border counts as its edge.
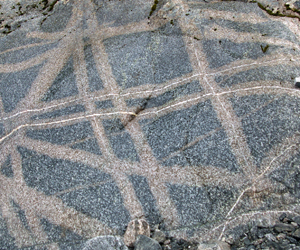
(159, 236)
(297, 220)
(105, 243)
(270, 237)
(296, 234)
(181, 112)
(135, 228)
(282, 228)
(216, 245)
(145, 243)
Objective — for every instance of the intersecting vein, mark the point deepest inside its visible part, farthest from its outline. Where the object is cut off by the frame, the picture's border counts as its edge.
(149, 167)
(244, 158)
(143, 149)
(124, 185)
(145, 92)
(145, 113)
(257, 179)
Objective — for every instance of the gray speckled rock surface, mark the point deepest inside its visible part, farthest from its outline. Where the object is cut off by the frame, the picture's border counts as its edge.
(215, 245)
(145, 243)
(105, 243)
(183, 114)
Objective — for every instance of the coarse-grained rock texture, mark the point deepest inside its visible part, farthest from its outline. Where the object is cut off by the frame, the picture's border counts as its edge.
(134, 229)
(105, 243)
(182, 113)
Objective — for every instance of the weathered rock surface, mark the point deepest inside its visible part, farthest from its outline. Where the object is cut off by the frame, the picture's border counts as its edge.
(145, 243)
(216, 245)
(181, 112)
(284, 228)
(159, 236)
(16, 13)
(105, 243)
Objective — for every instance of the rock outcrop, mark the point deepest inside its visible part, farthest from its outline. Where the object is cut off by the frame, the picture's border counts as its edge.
(182, 113)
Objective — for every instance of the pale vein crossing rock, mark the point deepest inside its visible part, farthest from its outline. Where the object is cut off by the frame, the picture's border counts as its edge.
(181, 113)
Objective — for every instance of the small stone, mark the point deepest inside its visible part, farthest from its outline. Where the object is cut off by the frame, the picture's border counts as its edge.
(296, 234)
(135, 228)
(287, 220)
(285, 242)
(291, 239)
(247, 241)
(297, 82)
(282, 216)
(220, 245)
(251, 247)
(254, 232)
(271, 237)
(281, 228)
(230, 239)
(178, 244)
(258, 242)
(223, 245)
(264, 245)
(181, 242)
(159, 236)
(297, 219)
(262, 232)
(262, 223)
(204, 246)
(280, 236)
(108, 242)
(167, 242)
(145, 243)
(294, 224)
